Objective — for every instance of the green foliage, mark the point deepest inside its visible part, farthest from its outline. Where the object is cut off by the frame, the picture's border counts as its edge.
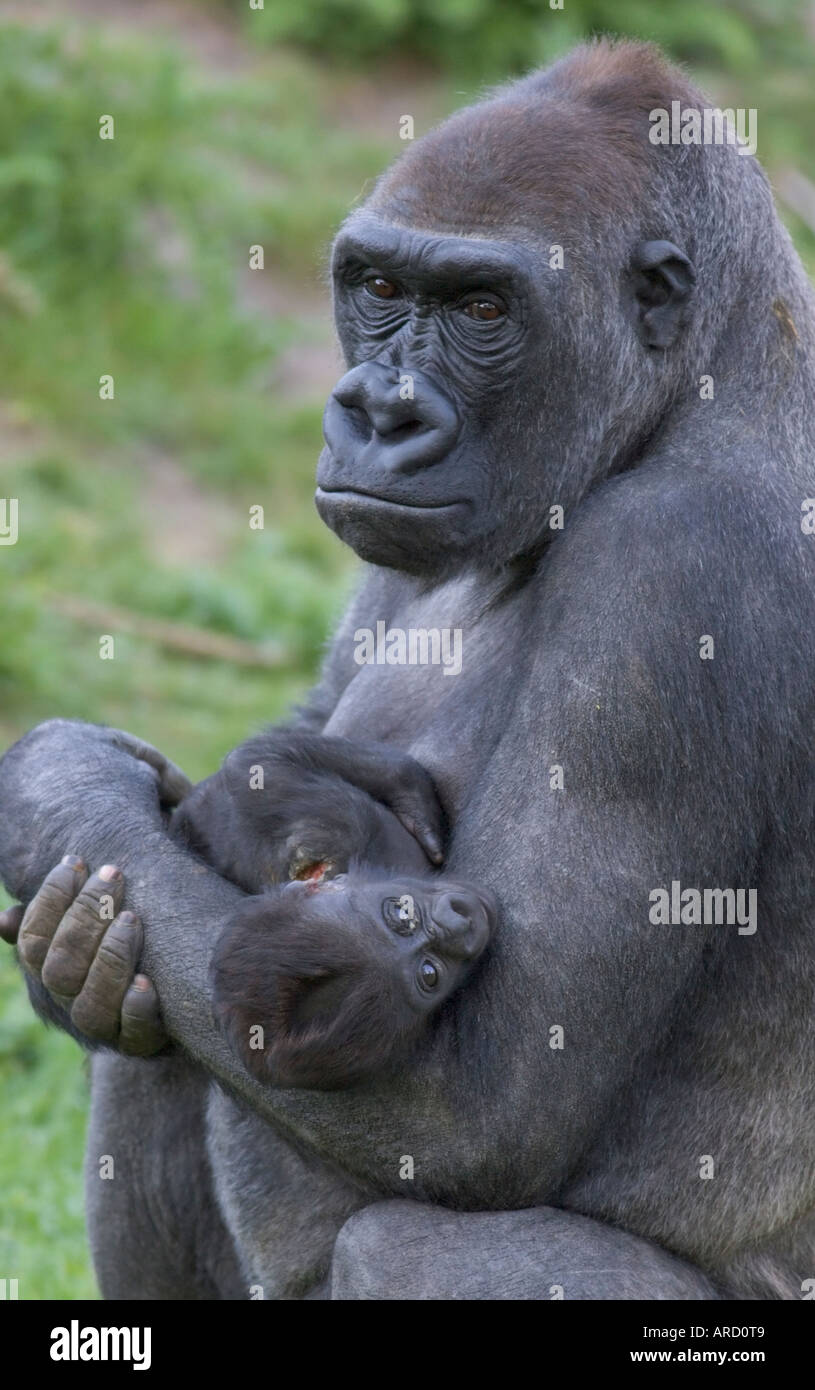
(755, 53)
(126, 256)
(45, 1097)
(130, 257)
(496, 37)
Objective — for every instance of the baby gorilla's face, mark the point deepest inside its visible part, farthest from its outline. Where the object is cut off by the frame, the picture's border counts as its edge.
(323, 982)
(427, 935)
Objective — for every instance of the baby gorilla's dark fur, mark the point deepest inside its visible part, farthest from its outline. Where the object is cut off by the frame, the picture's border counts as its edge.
(333, 972)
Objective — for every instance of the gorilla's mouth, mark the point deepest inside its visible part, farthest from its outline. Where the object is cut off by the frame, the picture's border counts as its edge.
(411, 534)
(374, 499)
(310, 870)
(318, 875)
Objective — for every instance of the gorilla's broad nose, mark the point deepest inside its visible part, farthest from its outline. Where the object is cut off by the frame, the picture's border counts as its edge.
(463, 922)
(390, 418)
(371, 389)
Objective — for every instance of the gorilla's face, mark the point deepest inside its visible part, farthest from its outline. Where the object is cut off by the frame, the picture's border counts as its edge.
(433, 936)
(488, 383)
(423, 934)
(436, 331)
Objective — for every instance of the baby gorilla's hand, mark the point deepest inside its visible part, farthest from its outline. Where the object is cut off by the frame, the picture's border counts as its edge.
(80, 955)
(322, 984)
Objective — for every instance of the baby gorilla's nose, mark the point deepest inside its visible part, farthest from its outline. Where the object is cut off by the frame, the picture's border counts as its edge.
(462, 921)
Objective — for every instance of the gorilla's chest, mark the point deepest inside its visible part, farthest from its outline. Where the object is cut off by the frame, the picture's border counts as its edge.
(433, 677)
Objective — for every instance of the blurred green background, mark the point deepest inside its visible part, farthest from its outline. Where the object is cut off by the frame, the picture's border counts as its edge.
(234, 127)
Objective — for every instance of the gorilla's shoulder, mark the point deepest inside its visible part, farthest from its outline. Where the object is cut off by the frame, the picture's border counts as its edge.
(654, 560)
(696, 524)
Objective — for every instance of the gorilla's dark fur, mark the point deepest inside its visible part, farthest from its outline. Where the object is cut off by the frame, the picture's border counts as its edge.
(586, 756)
(353, 944)
(282, 804)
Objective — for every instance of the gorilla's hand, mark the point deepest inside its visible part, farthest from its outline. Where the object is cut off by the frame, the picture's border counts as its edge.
(63, 770)
(399, 782)
(102, 796)
(80, 957)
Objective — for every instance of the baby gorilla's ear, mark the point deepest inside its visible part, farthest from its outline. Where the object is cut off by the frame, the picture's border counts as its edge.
(304, 1002)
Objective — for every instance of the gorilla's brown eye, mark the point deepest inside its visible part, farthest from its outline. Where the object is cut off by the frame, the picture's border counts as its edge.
(484, 309)
(380, 288)
(428, 975)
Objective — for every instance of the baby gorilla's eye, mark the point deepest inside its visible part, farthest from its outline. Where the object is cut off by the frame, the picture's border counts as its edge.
(380, 288)
(428, 975)
(400, 914)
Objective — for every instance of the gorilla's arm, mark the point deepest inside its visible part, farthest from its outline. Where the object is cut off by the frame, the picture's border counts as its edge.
(61, 766)
(108, 1003)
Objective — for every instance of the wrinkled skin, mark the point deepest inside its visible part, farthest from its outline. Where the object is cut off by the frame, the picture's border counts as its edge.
(587, 755)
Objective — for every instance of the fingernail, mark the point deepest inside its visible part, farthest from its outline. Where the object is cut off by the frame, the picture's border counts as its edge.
(73, 860)
(108, 872)
(141, 982)
(128, 918)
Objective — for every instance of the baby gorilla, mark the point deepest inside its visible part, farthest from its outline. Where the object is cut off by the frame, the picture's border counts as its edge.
(333, 972)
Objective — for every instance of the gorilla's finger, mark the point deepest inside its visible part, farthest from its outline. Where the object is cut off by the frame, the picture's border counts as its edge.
(44, 913)
(173, 784)
(427, 836)
(96, 1011)
(10, 923)
(416, 804)
(78, 935)
(143, 1032)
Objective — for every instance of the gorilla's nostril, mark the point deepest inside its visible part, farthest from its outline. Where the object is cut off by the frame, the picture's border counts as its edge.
(358, 422)
(374, 431)
(452, 912)
(367, 411)
(405, 431)
(462, 923)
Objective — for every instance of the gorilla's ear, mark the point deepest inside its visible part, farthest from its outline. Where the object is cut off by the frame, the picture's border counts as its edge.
(663, 279)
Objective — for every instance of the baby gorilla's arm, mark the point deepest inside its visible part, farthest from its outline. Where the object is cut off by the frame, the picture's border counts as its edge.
(278, 809)
(388, 775)
(321, 986)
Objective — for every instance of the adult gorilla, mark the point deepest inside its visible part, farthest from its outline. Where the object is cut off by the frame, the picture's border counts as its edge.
(665, 1149)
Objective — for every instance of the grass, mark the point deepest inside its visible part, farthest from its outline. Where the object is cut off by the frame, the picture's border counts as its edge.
(45, 1096)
